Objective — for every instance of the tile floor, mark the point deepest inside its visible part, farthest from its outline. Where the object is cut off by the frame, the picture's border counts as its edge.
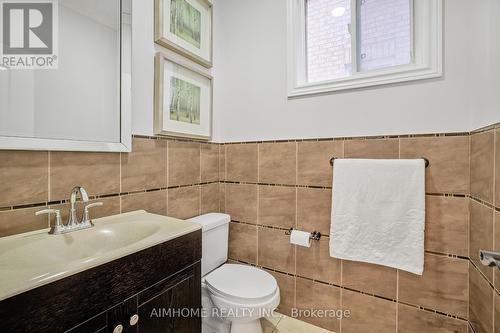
(283, 324)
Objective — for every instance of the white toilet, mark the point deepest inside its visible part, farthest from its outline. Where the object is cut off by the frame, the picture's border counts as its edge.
(234, 297)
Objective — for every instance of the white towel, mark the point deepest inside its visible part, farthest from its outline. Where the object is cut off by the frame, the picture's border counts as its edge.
(378, 212)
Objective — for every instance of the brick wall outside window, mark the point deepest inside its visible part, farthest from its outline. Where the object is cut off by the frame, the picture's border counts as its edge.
(385, 37)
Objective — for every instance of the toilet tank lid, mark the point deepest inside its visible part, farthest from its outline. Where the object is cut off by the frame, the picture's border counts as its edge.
(211, 220)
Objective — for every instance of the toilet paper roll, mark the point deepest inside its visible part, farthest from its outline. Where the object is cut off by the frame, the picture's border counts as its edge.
(300, 238)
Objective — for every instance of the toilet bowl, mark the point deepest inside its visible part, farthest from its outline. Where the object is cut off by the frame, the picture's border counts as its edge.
(242, 295)
(234, 296)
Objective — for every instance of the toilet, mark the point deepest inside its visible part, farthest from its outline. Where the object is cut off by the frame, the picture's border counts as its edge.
(234, 296)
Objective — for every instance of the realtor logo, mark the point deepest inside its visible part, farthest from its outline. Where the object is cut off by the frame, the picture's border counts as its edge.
(29, 34)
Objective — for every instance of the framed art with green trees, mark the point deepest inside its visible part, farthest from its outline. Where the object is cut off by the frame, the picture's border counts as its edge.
(185, 26)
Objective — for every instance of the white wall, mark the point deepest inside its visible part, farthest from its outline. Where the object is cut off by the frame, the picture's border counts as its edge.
(250, 81)
(486, 106)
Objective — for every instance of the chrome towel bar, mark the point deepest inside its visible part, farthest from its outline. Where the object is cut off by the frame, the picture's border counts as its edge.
(427, 163)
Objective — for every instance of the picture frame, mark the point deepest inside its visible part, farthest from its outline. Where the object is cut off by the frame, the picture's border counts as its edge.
(185, 26)
(183, 100)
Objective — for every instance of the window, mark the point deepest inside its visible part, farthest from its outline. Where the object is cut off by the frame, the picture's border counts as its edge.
(343, 44)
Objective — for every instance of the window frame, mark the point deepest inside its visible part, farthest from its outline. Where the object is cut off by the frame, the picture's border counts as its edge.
(427, 51)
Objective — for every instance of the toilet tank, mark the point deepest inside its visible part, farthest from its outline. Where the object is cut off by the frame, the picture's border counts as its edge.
(215, 240)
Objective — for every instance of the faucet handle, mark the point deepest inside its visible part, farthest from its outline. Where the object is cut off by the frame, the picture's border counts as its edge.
(86, 217)
(56, 229)
(50, 211)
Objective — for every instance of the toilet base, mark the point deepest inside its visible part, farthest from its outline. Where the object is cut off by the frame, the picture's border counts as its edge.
(252, 326)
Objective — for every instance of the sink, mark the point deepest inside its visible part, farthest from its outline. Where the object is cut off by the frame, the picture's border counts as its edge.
(33, 259)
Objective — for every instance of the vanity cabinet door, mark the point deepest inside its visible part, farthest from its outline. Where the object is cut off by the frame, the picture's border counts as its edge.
(172, 305)
(94, 325)
(123, 317)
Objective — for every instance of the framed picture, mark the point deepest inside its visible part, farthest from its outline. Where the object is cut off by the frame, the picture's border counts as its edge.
(185, 26)
(183, 100)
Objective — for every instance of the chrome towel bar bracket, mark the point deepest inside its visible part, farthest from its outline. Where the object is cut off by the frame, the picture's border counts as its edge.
(427, 163)
(489, 258)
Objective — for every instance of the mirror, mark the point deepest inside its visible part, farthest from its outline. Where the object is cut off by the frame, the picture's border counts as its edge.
(77, 96)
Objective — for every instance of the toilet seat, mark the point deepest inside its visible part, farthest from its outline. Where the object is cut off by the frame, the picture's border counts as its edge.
(241, 284)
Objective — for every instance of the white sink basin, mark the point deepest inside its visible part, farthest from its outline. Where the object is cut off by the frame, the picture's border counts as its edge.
(33, 259)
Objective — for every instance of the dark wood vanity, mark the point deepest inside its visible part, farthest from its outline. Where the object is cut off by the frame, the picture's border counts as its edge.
(148, 291)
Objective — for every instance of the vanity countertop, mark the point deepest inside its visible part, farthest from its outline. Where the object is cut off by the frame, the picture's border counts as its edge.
(36, 258)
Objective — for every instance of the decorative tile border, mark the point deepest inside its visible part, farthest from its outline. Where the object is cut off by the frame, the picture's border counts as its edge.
(102, 196)
(351, 138)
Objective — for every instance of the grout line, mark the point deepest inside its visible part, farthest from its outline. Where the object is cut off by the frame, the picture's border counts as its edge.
(296, 182)
(294, 291)
(494, 312)
(199, 186)
(484, 203)
(48, 183)
(341, 291)
(225, 163)
(277, 185)
(48, 174)
(469, 218)
(219, 148)
(399, 149)
(257, 223)
(397, 299)
(120, 172)
(121, 185)
(296, 225)
(225, 177)
(468, 273)
(258, 163)
(483, 276)
(296, 163)
(494, 220)
(258, 190)
(397, 270)
(168, 174)
(199, 200)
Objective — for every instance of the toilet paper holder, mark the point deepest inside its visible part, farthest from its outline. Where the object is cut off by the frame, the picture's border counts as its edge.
(315, 235)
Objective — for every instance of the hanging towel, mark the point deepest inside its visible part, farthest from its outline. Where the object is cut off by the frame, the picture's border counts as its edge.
(378, 212)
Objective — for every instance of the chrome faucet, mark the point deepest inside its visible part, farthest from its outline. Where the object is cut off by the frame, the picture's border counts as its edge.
(73, 223)
(72, 200)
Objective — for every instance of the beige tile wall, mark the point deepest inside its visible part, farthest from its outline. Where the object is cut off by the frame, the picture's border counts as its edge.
(484, 234)
(169, 177)
(269, 187)
(273, 186)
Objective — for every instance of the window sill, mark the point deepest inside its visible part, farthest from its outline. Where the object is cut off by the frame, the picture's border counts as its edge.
(405, 74)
